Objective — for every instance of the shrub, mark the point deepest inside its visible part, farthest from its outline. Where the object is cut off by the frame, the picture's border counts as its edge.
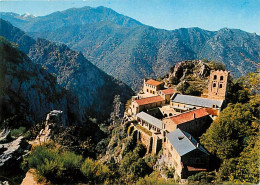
(88, 168)
(183, 87)
(216, 65)
(140, 150)
(94, 172)
(174, 80)
(192, 91)
(55, 165)
(18, 132)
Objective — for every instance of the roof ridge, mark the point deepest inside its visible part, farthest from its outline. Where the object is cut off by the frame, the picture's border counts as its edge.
(199, 97)
(190, 112)
(188, 137)
(148, 97)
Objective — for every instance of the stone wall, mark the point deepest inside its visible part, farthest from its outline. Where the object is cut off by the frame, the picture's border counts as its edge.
(196, 127)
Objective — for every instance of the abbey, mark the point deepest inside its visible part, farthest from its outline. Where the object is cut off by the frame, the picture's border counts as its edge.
(164, 119)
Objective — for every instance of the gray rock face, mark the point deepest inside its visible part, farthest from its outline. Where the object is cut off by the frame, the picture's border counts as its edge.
(4, 135)
(182, 69)
(91, 91)
(26, 88)
(11, 152)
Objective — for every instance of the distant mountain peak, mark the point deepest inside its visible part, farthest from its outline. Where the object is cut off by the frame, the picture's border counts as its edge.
(27, 15)
(130, 50)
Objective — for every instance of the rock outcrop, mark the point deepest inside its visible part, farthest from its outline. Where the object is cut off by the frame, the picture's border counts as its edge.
(11, 153)
(195, 67)
(26, 89)
(54, 118)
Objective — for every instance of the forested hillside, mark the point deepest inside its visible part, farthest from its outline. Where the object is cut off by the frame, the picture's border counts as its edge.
(93, 87)
(131, 51)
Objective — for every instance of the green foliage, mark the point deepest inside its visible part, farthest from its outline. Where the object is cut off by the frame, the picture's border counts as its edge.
(234, 136)
(150, 160)
(169, 172)
(236, 91)
(132, 166)
(88, 169)
(18, 132)
(129, 146)
(55, 165)
(174, 80)
(156, 179)
(248, 162)
(202, 177)
(216, 65)
(225, 135)
(59, 166)
(205, 60)
(140, 150)
(94, 172)
(187, 88)
(183, 87)
(191, 90)
(35, 129)
(252, 81)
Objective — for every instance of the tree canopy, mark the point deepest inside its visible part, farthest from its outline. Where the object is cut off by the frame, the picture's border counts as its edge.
(234, 136)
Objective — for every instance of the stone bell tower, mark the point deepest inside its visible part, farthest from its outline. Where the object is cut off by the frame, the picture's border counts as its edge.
(218, 82)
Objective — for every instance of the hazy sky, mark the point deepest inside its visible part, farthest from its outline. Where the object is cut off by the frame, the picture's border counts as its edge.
(166, 14)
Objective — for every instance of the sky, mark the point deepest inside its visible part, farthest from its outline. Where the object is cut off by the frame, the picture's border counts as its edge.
(165, 14)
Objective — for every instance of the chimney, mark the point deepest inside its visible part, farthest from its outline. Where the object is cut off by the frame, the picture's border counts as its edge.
(194, 117)
(198, 145)
(190, 137)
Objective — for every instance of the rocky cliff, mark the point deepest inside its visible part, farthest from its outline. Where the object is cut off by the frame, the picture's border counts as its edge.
(26, 89)
(91, 90)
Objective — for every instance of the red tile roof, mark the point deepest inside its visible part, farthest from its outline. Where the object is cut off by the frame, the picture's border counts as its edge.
(168, 91)
(213, 112)
(188, 116)
(153, 82)
(190, 168)
(149, 100)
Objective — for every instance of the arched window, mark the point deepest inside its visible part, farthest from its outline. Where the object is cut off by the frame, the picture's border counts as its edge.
(214, 84)
(221, 78)
(220, 85)
(215, 77)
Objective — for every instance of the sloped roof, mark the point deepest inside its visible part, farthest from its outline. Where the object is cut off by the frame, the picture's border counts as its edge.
(188, 116)
(197, 101)
(212, 111)
(145, 101)
(183, 142)
(150, 119)
(168, 91)
(153, 82)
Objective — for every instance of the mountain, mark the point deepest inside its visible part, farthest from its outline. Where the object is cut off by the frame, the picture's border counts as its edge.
(92, 90)
(73, 16)
(26, 89)
(131, 51)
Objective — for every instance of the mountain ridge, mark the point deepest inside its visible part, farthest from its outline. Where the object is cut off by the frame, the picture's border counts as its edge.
(27, 90)
(131, 53)
(73, 72)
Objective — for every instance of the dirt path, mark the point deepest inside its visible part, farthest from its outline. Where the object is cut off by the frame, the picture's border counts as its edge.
(29, 179)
